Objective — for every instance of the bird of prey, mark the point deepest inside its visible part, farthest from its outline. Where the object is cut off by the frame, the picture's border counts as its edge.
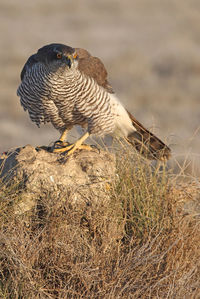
(68, 86)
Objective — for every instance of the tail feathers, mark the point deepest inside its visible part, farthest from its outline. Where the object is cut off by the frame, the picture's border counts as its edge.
(146, 143)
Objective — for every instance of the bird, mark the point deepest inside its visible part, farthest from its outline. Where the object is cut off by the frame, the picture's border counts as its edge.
(67, 86)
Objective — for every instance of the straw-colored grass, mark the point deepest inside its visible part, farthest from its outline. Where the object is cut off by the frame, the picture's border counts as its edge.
(137, 246)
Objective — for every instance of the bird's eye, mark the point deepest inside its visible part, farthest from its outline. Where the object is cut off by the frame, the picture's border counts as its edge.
(59, 55)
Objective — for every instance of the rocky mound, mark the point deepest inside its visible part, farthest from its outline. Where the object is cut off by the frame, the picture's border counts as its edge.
(85, 176)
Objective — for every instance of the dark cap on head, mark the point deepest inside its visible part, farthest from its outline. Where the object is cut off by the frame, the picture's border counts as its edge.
(55, 47)
(47, 50)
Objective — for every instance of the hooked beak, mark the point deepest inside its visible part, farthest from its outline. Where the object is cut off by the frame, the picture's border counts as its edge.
(70, 58)
(69, 61)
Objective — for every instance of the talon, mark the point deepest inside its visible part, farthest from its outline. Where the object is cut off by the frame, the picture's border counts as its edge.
(63, 148)
(68, 149)
(59, 144)
(86, 147)
(71, 148)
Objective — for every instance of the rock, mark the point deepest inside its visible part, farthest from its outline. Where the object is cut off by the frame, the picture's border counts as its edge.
(82, 177)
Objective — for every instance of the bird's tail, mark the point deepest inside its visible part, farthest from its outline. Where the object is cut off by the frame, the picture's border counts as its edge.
(146, 143)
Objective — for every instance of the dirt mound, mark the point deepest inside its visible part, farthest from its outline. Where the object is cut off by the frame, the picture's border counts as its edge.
(82, 177)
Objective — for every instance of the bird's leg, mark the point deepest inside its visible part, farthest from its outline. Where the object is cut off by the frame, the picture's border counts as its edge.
(63, 136)
(70, 149)
(61, 142)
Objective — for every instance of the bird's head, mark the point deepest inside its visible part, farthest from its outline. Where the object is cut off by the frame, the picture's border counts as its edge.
(57, 56)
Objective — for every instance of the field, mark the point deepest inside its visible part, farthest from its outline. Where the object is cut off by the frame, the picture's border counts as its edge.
(150, 49)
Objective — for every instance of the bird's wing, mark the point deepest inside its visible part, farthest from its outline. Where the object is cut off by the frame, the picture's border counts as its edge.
(35, 107)
(93, 67)
(32, 60)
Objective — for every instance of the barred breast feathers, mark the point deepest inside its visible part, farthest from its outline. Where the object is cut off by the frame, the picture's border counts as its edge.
(31, 91)
(94, 102)
(105, 112)
(66, 97)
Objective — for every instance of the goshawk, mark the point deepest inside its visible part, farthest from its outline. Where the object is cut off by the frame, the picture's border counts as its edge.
(68, 86)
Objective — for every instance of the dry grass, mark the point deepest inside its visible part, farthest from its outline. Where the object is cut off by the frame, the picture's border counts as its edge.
(139, 246)
(150, 49)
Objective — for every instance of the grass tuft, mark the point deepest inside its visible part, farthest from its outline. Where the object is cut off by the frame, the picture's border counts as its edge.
(135, 246)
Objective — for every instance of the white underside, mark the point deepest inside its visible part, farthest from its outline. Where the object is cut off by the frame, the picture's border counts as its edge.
(123, 123)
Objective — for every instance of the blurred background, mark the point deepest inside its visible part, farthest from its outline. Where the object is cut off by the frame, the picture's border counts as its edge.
(151, 50)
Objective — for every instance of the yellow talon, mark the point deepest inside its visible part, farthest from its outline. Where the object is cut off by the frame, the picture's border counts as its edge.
(71, 148)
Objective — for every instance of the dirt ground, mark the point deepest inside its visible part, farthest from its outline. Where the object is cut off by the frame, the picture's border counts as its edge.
(151, 49)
